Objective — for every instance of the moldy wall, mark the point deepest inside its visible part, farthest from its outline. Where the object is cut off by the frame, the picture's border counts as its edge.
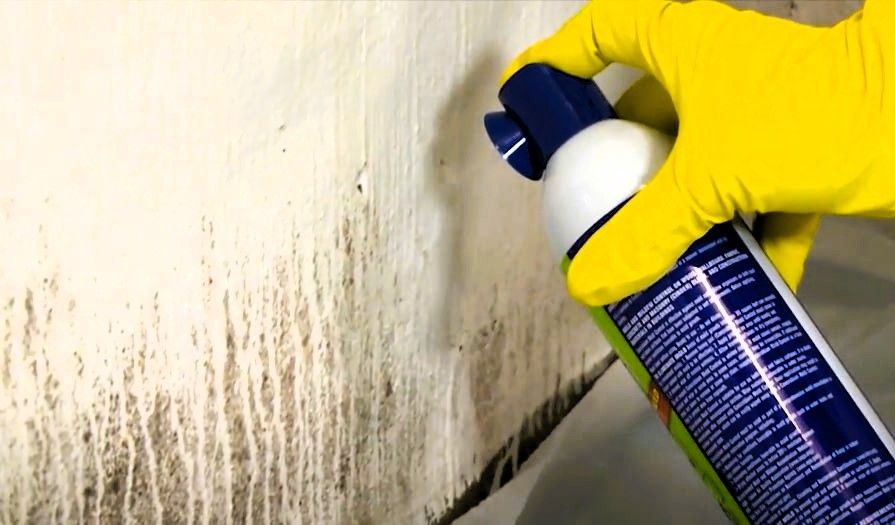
(259, 261)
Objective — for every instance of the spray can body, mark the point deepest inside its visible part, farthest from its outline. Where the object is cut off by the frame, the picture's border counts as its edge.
(729, 359)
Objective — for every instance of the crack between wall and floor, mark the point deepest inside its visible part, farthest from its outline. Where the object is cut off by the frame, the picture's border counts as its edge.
(535, 429)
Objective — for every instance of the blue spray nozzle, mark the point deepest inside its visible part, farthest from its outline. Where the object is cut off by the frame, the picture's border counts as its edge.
(512, 144)
(544, 108)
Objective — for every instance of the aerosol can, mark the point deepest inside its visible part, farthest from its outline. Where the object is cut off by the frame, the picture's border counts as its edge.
(735, 368)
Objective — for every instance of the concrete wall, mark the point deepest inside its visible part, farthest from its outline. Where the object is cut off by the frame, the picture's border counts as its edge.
(259, 261)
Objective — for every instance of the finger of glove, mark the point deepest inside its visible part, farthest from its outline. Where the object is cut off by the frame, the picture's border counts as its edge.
(572, 49)
(648, 103)
(787, 238)
(667, 39)
(639, 244)
(661, 37)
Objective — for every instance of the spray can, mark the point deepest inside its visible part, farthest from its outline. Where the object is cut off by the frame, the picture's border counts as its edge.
(737, 371)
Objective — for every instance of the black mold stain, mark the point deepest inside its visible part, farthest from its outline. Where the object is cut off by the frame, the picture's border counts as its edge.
(237, 426)
(344, 470)
(535, 429)
(121, 437)
(30, 323)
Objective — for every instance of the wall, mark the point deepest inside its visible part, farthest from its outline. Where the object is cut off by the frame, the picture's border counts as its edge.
(259, 261)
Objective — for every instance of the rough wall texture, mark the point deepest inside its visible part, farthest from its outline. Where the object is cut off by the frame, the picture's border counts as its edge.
(259, 262)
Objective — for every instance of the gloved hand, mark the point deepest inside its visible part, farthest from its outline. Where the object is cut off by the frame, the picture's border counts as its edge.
(777, 118)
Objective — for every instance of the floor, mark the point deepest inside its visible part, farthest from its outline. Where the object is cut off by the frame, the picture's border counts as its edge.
(611, 461)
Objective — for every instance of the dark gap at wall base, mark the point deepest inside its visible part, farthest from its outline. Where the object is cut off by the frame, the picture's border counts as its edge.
(535, 430)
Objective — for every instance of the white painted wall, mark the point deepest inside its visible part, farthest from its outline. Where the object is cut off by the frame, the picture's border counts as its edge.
(259, 260)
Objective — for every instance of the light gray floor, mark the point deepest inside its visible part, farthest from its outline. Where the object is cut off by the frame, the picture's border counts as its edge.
(611, 461)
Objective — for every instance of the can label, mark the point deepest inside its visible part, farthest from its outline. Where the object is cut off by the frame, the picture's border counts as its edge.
(659, 403)
(781, 423)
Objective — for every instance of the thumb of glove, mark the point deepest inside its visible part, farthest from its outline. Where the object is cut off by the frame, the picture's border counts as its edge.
(641, 242)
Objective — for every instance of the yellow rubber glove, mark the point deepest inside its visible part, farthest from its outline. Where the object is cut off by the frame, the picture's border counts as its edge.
(777, 118)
